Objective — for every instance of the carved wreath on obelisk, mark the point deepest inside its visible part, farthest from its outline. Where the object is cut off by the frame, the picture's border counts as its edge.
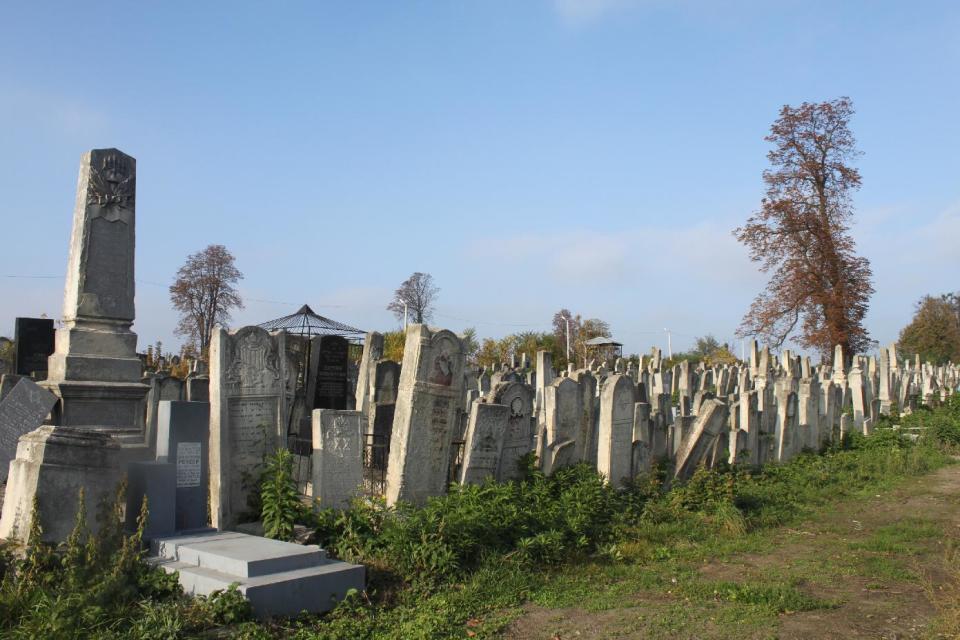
(112, 183)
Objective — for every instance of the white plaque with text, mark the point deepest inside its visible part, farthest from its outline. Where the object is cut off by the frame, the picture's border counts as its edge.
(188, 464)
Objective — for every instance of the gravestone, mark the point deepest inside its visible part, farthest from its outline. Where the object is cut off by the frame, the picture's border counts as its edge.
(589, 414)
(330, 357)
(486, 429)
(33, 338)
(518, 397)
(155, 481)
(787, 434)
(22, 410)
(702, 439)
(381, 407)
(372, 353)
(337, 467)
(615, 436)
(249, 385)
(198, 387)
(562, 413)
(183, 439)
(426, 411)
(750, 424)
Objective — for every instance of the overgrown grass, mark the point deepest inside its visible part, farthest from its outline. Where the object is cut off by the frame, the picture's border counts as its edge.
(463, 564)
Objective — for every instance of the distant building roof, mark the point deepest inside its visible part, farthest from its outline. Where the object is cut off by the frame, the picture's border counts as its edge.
(602, 341)
(306, 323)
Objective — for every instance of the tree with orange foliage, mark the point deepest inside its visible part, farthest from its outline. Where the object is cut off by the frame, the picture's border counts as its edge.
(819, 290)
(204, 293)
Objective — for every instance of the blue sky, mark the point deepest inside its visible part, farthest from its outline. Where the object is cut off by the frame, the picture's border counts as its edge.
(530, 154)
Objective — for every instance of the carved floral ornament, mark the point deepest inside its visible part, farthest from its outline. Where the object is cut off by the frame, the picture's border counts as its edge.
(112, 182)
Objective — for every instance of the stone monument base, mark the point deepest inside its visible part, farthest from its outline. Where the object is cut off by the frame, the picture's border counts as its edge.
(278, 578)
(117, 408)
(52, 464)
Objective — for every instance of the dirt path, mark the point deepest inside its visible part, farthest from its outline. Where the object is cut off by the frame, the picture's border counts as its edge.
(874, 561)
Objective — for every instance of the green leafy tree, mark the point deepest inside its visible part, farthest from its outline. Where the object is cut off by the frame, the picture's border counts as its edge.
(934, 332)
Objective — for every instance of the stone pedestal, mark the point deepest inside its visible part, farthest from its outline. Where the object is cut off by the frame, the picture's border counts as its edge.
(53, 463)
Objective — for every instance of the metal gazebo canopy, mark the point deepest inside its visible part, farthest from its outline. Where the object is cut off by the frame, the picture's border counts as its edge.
(306, 323)
(604, 342)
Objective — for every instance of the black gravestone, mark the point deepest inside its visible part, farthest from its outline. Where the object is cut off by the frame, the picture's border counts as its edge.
(183, 439)
(34, 344)
(331, 357)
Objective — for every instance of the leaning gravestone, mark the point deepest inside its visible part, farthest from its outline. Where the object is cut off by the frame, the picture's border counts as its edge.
(702, 438)
(248, 406)
(22, 410)
(427, 404)
(183, 439)
(337, 466)
(34, 344)
(330, 362)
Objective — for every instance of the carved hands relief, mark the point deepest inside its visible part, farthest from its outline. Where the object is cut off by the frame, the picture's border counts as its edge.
(112, 187)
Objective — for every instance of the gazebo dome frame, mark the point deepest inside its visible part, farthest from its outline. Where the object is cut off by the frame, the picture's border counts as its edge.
(308, 324)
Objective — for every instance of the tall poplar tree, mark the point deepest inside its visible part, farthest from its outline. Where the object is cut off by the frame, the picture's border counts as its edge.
(819, 288)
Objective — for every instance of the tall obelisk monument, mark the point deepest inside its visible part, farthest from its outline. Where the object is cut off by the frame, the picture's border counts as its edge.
(94, 369)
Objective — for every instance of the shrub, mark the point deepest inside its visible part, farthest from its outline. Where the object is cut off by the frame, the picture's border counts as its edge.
(280, 502)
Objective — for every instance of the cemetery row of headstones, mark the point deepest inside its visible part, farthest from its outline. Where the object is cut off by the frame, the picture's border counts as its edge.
(621, 418)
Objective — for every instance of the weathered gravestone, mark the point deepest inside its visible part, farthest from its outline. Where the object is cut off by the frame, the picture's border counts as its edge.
(518, 397)
(589, 414)
(486, 429)
(372, 353)
(787, 433)
(562, 413)
(425, 417)
(34, 343)
(22, 410)
(703, 438)
(615, 435)
(248, 413)
(183, 439)
(329, 358)
(337, 467)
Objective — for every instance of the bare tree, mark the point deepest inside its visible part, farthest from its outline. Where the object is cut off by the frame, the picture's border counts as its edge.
(802, 234)
(204, 294)
(416, 296)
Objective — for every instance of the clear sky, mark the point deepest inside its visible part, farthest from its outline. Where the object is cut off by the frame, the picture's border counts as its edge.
(530, 154)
